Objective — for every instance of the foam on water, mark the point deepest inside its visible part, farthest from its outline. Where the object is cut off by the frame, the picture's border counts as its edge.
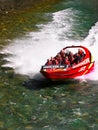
(29, 54)
(91, 42)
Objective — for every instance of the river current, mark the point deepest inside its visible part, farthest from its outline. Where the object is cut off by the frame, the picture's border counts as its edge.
(30, 102)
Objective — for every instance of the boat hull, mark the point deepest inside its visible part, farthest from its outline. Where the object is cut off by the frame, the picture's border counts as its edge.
(63, 73)
(60, 72)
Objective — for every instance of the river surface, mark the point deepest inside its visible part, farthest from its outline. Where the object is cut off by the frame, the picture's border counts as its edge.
(27, 38)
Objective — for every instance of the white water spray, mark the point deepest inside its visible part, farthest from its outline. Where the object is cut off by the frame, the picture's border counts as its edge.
(91, 42)
(30, 53)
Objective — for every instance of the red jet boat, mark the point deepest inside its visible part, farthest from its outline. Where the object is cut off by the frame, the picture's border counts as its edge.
(82, 64)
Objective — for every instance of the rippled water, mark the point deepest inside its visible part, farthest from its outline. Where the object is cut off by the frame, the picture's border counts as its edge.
(28, 101)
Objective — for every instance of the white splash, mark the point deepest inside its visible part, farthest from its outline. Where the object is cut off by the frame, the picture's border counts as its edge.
(91, 42)
(29, 54)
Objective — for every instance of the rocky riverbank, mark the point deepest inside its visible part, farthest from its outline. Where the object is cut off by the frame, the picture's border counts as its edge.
(8, 5)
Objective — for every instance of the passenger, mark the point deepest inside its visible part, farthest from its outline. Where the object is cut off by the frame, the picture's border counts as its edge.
(52, 60)
(67, 62)
(71, 58)
(56, 62)
(59, 58)
(49, 62)
(76, 58)
(67, 52)
(63, 59)
(81, 53)
(62, 53)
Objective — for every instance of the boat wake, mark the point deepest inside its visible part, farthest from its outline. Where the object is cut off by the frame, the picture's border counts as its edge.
(91, 41)
(30, 53)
